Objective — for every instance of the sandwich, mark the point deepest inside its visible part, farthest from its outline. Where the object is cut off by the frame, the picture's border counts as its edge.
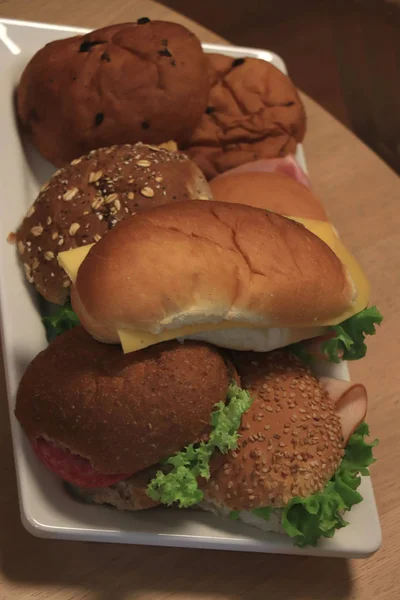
(213, 402)
(250, 436)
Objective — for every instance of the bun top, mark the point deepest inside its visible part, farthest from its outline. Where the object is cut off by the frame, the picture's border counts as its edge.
(290, 441)
(144, 81)
(253, 112)
(121, 412)
(273, 191)
(82, 202)
(206, 262)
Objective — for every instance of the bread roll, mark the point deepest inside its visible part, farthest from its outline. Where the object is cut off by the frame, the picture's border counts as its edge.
(273, 191)
(123, 413)
(197, 263)
(83, 201)
(290, 441)
(253, 112)
(131, 82)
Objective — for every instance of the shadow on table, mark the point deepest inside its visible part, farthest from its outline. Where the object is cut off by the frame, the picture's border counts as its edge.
(105, 571)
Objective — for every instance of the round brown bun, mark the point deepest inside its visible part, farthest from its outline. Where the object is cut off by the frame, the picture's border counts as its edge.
(197, 263)
(290, 441)
(254, 111)
(144, 81)
(128, 494)
(83, 201)
(273, 191)
(122, 413)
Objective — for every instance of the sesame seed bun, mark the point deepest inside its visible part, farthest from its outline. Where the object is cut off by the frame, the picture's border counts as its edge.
(204, 262)
(290, 442)
(83, 201)
(272, 191)
(123, 413)
(130, 82)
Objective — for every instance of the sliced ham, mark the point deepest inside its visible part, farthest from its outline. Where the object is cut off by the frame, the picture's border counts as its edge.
(287, 165)
(350, 401)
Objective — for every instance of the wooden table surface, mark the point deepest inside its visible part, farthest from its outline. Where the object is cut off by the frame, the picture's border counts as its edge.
(362, 195)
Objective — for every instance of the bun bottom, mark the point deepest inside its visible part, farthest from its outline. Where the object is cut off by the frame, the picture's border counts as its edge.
(273, 525)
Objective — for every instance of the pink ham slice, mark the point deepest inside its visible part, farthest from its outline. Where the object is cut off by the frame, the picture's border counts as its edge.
(350, 401)
(287, 165)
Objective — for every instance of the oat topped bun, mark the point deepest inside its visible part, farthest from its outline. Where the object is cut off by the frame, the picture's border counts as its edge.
(144, 81)
(254, 111)
(83, 201)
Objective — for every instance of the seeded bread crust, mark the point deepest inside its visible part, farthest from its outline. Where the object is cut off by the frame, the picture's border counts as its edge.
(144, 81)
(290, 441)
(254, 111)
(83, 201)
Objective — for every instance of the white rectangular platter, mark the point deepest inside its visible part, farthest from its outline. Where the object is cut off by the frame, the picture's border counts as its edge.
(47, 510)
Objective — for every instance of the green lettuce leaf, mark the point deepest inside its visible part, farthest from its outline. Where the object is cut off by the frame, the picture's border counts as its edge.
(319, 515)
(177, 482)
(348, 338)
(60, 319)
(348, 341)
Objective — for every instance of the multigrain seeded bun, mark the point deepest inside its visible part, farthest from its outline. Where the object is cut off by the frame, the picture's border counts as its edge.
(253, 112)
(290, 441)
(226, 261)
(83, 201)
(272, 191)
(123, 413)
(144, 81)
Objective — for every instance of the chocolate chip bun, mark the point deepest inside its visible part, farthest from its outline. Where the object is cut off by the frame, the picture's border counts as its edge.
(253, 112)
(144, 81)
(83, 201)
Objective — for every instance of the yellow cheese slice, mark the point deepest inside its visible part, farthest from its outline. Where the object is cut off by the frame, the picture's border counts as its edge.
(71, 260)
(131, 340)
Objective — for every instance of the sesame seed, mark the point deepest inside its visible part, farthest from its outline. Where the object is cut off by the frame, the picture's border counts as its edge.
(147, 191)
(45, 186)
(160, 179)
(269, 409)
(70, 194)
(48, 220)
(117, 204)
(131, 195)
(267, 427)
(66, 283)
(61, 240)
(21, 247)
(75, 162)
(143, 163)
(95, 176)
(37, 230)
(73, 229)
(49, 255)
(31, 211)
(302, 410)
(35, 263)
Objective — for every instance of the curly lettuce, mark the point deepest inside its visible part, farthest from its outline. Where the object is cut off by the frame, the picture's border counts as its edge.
(60, 319)
(306, 520)
(177, 482)
(345, 341)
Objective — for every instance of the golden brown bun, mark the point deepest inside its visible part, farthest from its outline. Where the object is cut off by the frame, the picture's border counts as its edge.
(273, 191)
(254, 111)
(128, 494)
(201, 262)
(121, 84)
(291, 440)
(121, 412)
(95, 192)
